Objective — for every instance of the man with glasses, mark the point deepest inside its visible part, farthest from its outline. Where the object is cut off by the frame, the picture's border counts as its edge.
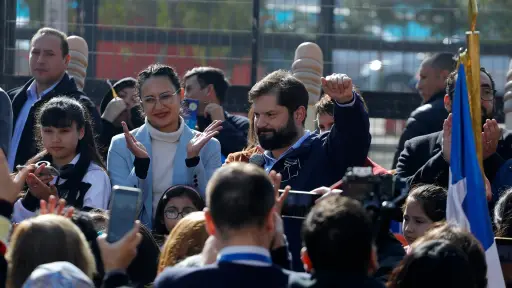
(425, 159)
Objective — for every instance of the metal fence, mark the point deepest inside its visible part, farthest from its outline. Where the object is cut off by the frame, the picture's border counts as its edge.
(379, 43)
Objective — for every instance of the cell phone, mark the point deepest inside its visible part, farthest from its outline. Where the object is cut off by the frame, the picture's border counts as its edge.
(47, 171)
(189, 112)
(504, 246)
(298, 203)
(124, 209)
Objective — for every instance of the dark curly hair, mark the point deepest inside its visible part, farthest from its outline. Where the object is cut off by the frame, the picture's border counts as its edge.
(452, 80)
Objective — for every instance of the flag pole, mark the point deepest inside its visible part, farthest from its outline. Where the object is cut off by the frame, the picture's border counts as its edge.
(471, 60)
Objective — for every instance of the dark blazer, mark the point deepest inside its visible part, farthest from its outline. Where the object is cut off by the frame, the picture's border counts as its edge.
(334, 279)
(426, 119)
(224, 275)
(322, 160)
(5, 122)
(233, 136)
(422, 160)
(67, 87)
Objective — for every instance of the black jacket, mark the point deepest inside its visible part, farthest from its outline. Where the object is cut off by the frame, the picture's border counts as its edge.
(322, 160)
(426, 119)
(223, 274)
(27, 147)
(422, 160)
(233, 136)
(5, 122)
(334, 279)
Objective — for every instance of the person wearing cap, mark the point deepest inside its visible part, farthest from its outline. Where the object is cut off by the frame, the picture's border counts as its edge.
(119, 104)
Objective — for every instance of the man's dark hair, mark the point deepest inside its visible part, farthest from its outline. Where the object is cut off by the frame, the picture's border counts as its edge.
(338, 235)
(290, 91)
(325, 105)
(239, 195)
(442, 61)
(64, 46)
(155, 70)
(451, 81)
(210, 75)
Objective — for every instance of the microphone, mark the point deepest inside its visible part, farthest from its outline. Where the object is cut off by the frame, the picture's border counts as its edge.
(257, 159)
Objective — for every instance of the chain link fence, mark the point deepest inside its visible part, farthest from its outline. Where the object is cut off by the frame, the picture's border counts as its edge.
(379, 43)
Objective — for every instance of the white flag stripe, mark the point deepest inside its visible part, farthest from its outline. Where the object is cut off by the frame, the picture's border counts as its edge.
(494, 273)
(454, 211)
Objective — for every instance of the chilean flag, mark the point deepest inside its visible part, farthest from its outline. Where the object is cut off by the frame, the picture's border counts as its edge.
(467, 203)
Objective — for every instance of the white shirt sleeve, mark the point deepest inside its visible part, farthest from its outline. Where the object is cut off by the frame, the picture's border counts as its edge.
(20, 213)
(98, 194)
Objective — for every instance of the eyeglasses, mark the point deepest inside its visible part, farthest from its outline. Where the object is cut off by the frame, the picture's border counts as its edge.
(487, 94)
(164, 99)
(173, 212)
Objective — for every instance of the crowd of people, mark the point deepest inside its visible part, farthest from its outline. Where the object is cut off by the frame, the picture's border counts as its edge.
(212, 195)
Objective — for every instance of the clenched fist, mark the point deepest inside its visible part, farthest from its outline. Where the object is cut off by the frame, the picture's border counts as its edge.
(339, 87)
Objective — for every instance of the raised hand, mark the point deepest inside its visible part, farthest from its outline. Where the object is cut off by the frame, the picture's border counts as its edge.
(119, 255)
(114, 108)
(490, 136)
(39, 187)
(51, 207)
(447, 138)
(215, 111)
(138, 150)
(200, 139)
(339, 87)
(276, 181)
(11, 186)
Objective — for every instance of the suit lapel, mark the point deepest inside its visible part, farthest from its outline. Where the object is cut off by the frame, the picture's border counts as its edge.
(19, 100)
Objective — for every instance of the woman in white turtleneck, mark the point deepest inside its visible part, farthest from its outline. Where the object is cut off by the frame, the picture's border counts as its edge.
(164, 151)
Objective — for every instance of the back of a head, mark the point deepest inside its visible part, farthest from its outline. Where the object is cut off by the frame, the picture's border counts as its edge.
(52, 238)
(186, 239)
(466, 242)
(325, 236)
(239, 195)
(442, 62)
(58, 274)
(436, 263)
(209, 75)
(503, 215)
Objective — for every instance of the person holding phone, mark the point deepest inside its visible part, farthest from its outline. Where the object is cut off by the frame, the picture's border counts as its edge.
(163, 152)
(63, 130)
(120, 103)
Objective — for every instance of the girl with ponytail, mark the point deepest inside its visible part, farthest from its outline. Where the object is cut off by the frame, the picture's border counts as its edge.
(64, 133)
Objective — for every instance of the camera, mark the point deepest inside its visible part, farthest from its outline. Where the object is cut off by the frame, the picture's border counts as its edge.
(381, 195)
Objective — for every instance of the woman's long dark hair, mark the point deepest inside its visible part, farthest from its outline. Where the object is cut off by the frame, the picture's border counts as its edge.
(61, 112)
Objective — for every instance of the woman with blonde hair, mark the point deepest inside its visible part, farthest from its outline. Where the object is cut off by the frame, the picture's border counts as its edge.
(46, 239)
(186, 239)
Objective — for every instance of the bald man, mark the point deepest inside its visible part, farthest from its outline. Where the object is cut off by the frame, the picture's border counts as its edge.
(429, 117)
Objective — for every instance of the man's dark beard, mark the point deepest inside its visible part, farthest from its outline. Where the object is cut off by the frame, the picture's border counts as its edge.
(281, 138)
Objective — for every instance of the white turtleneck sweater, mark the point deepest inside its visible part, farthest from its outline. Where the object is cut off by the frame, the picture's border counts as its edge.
(163, 149)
